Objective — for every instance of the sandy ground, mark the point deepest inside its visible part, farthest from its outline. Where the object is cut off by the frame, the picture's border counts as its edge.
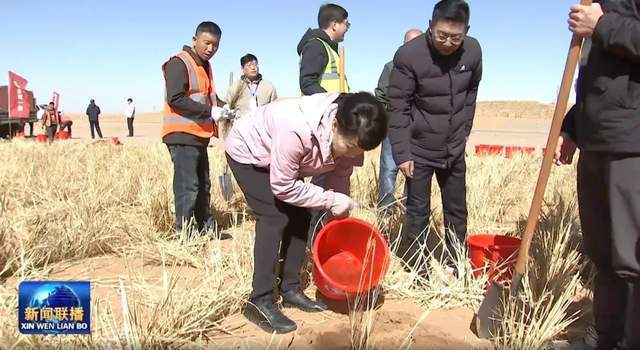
(397, 321)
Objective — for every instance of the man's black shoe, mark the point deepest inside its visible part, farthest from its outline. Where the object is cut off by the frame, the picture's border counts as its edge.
(266, 315)
(297, 299)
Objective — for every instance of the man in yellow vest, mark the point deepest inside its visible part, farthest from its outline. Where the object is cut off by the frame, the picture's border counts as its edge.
(320, 67)
(191, 109)
(318, 51)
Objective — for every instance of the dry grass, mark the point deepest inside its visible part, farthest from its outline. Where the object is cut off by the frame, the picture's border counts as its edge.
(66, 202)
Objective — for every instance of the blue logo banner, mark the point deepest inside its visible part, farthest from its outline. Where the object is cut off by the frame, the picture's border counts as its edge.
(54, 307)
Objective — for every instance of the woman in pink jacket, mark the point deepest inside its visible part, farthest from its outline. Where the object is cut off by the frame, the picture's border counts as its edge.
(270, 153)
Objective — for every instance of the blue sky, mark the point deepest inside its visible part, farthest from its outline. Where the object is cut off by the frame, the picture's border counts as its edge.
(110, 50)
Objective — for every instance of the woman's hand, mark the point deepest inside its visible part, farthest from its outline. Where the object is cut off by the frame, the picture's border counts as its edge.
(342, 205)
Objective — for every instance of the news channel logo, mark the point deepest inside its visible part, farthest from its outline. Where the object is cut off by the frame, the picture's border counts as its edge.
(54, 307)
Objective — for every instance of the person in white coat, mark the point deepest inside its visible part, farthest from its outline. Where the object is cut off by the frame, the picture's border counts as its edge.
(130, 113)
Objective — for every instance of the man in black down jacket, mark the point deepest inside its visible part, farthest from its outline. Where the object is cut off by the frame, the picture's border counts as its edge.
(605, 124)
(93, 112)
(432, 99)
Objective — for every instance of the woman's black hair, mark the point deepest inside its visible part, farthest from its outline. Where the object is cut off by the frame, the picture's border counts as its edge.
(362, 117)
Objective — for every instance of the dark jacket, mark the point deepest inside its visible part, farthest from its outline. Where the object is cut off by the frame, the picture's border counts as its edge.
(432, 101)
(383, 85)
(177, 85)
(606, 117)
(313, 60)
(93, 111)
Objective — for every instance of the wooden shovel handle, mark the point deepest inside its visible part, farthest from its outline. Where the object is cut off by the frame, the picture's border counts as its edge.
(343, 87)
(552, 141)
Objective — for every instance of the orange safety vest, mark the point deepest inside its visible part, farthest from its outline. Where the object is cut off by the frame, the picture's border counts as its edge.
(50, 118)
(202, 89)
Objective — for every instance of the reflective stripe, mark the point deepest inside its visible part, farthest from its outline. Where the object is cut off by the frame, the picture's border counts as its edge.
(329, 76)
(200, 98)
(333, 60)
(188, 62)
(176, 119)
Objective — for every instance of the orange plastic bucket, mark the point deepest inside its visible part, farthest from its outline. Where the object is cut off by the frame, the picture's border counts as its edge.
(494, 254)
(62, 135)
(350, 257)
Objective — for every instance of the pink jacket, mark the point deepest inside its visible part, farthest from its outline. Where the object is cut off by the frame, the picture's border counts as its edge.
(293, 139)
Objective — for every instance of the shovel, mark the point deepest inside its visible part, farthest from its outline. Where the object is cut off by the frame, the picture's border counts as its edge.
(493, 299)
(226, 184)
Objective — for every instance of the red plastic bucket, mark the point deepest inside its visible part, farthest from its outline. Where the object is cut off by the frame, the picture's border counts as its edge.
(511, 151)
(482, 150)
(62, 135)
(489, 150)
(494, 253)
(350, 257)
(42, 138)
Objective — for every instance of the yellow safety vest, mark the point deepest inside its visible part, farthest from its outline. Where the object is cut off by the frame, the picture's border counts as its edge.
(330, 78)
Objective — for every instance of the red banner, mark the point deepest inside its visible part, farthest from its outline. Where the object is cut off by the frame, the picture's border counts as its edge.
(55, 99)
(19, 104)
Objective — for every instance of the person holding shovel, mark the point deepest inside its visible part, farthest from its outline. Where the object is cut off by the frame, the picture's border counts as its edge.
(432, 99)
(270, 154)
(251, 91)
(191, 109)
(605, 125)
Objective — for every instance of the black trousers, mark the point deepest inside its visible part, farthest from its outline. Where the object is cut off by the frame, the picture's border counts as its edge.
(30, 128)
(415, 233)
(130, 126)
(95, 125)
(281, 232)
(609, 206)
(191, 186)
(51, 132)
(67, 126)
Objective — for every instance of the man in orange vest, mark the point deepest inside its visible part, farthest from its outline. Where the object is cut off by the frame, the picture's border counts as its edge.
(191, 109)
(50, 121)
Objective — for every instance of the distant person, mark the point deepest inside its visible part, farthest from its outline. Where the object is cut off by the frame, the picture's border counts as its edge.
(50, 121)
(388, 168)
(130, 113)
(65, 122)
(251, 91)
(24, 124)
(191, 109)
(93, 112)
(432, 100)
(30, 128)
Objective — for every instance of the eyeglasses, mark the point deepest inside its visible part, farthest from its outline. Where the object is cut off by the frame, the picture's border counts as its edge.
(442, 37)
(251, 64)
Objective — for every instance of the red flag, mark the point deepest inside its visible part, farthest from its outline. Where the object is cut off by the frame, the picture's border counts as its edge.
(55, 99)
(19, 104)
